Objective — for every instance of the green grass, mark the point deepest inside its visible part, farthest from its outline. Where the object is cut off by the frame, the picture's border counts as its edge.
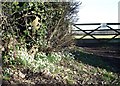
(93, 60)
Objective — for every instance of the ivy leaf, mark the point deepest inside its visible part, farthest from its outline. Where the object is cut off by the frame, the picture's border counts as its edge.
(26, 32)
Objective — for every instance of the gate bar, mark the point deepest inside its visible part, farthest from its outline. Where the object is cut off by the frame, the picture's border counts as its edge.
(98, 24)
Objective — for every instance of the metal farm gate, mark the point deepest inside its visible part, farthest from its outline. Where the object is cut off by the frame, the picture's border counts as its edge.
(97, 35)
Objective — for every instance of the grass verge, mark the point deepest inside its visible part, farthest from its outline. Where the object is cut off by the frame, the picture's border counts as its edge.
(57, 68)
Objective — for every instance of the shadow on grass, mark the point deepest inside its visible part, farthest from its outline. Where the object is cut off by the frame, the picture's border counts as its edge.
(110, 64)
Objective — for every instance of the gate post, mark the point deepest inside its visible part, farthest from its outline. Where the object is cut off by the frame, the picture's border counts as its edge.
(119, 14)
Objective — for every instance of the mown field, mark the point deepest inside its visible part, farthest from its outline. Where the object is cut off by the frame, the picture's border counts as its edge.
(96, 36)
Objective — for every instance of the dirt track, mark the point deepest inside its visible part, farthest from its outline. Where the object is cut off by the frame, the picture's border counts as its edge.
(110, 54)
(113, 52)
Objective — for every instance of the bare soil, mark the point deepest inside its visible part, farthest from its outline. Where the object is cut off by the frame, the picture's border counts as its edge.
(109, 54)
